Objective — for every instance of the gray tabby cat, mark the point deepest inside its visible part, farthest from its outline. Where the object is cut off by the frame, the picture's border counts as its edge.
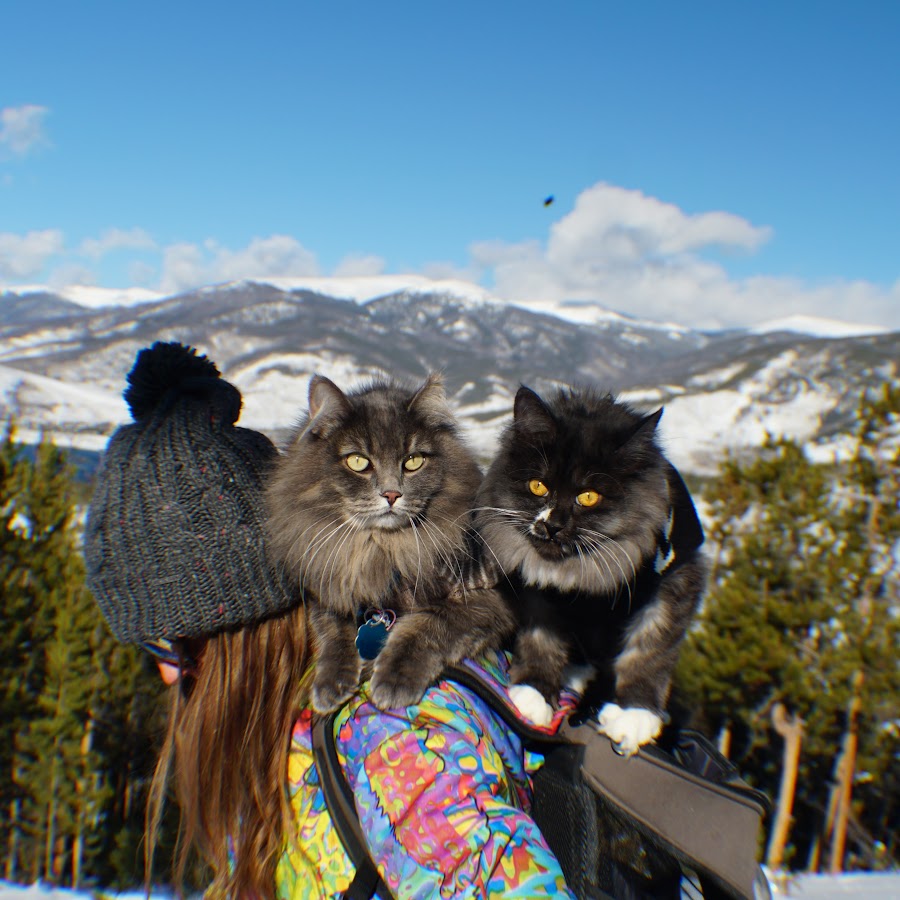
(600, 541)
(370, 510)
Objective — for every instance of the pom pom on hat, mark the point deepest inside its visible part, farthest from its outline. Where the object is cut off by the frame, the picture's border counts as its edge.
(163, 372)
(174, 542)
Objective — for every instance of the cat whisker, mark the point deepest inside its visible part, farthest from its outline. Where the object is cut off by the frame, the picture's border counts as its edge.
(596, 557)
(610, 540)
(335, 553)
(298, 541)
(322, 541)
(321, 538)
(497, 514)
(415, 531)
(453, 564)
(602, 544)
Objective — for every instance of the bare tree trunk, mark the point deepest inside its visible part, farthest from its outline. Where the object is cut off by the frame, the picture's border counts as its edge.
(12, 842)
(51, 823)
(78, 845)
(848, 768)
(790, 727)
(725, 740)
(824, 836)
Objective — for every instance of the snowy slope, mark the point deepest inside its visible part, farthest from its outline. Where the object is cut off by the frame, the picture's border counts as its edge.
(63, 367)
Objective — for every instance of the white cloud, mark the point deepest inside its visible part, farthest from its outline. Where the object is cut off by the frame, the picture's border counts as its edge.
(70, 274)
(23, 256)
(22, 128)
(635, 254)
(619, 249)
(117, 239)
(447, 271)
(353, 266)
(189, 265)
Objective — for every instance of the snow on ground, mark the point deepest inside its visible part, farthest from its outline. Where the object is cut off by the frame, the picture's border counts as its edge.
(854, 886)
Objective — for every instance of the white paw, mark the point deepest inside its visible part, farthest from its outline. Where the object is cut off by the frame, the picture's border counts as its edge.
(629, 728)
(531, 703)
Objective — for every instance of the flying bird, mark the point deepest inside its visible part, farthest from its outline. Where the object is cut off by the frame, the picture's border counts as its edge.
(548, 200)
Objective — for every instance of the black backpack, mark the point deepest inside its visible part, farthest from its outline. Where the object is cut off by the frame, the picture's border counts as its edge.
(663, 824)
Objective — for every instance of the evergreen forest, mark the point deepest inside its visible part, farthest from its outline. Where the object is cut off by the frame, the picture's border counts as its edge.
(792, 666)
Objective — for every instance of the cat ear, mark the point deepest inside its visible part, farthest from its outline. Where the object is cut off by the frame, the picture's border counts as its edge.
(649, 422)
(644, 429)
(430, 401)
(531, 415)
(327, 404)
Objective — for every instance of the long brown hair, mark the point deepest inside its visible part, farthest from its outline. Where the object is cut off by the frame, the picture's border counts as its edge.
(226, 748)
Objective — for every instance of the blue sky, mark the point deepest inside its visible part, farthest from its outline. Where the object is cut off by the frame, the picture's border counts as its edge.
(711, 163)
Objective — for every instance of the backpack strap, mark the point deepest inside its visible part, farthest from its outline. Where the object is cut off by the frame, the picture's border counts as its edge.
(501, 706)
(658, 791)
(366, 883)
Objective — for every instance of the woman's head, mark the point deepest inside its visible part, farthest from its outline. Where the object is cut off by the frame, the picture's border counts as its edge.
(176, 559)
(174, 539)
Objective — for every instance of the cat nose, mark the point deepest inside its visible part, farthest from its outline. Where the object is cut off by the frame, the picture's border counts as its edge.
(547, 529)
(391, 496)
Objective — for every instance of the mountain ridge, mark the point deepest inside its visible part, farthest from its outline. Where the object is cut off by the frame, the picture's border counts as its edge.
(63, 366)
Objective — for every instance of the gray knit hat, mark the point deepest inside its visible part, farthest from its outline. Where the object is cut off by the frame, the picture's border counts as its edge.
(174, 539)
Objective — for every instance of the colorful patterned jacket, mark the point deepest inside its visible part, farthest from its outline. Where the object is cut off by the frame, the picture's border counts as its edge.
(442, 790)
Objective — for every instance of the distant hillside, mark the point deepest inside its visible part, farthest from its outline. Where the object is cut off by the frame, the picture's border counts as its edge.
(63, 366)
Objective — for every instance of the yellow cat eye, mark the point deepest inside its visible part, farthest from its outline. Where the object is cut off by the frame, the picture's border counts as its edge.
(538, 488)
(413, 462)
(588, 498)
(357, 462)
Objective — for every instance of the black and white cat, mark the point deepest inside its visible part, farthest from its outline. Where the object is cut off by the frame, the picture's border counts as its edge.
(370, 511)
(599, 538)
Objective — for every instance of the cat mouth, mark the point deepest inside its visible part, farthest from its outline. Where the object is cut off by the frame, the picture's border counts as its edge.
(550, 549)
(390, 520)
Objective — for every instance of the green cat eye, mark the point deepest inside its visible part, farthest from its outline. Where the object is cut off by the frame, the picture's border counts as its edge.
(357, 462)
(413, 462)
(538, 488)
(588, 498)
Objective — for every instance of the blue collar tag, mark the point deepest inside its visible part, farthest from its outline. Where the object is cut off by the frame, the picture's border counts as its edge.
(371, 636)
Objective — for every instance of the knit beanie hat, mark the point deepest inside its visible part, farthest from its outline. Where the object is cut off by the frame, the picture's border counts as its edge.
(174, 540)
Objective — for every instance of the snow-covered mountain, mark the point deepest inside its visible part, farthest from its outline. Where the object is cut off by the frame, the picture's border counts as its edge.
(64, 357)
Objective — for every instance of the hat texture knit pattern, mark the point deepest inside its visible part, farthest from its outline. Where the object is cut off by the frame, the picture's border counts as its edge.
(174, 542)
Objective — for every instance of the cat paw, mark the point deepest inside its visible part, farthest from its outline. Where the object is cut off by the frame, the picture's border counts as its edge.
(399, 679)
(330, 696)
(629, 728)
(531, 704)
(392, 691)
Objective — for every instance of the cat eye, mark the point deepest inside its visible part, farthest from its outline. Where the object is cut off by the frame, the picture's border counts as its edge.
(538, 488)
(357, 462)
(588, 498)
(413, 462)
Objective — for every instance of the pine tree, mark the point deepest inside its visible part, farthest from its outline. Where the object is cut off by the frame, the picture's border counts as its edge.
(66, 774)
(803, 609)
(80, 712)
(14, 641)
(863, 656)
(758, 639)
(44, 519)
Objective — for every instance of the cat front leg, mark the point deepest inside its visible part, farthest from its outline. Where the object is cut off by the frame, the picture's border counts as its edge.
(426, 641)
(643, 673)
(338, 665)
(644, 667)
(536, 673)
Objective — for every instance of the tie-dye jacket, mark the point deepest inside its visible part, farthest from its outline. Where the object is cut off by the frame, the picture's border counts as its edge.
(442, 790)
